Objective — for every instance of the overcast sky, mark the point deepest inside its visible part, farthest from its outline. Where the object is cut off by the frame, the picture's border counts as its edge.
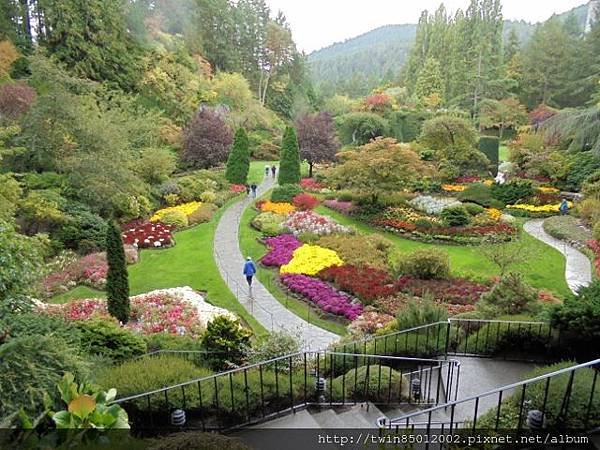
(319, 23)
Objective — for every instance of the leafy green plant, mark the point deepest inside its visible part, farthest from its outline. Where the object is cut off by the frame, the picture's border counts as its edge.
(238, 163)
(511, 295)
(285, 193)
(269, 223)
(473, 208)
(455, 216)
(289, 161)
(277, 344)
(117, 283)
(227, 340)
(203, 214)
(477, 193)
(510, 193)
(175, 218)
(360, 250)
(371, 382)
(416, 313)
(426, 264)
(108, 339)
(87, 407)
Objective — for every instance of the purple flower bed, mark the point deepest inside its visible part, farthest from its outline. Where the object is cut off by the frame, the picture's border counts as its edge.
(341, 207)
(323, 295)
(282, 249)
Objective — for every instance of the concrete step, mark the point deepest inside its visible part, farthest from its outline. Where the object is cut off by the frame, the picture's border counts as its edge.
(360, 416)
(300, 419)
(419, 421)
(327, 418)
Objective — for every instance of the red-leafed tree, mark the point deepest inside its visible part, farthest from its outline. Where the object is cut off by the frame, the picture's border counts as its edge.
(207, 140)
(317, 139)
(378, 103)
(541, 114)
(16, 99)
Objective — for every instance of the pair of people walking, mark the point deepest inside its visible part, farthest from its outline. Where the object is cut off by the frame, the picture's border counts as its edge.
(271, 169)
(251, 188)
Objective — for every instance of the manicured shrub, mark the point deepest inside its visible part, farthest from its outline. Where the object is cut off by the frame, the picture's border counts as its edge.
(169, 341)
(490, 147)
(373, 383)
(473, 208)
(196, 440)
(426, 264)
(117, 283)
(228, 340)
(477, 193)
(83, 226)
(285, 193)
(289, 161)
(358, 128)
(203, 214)
(305, 202)
(107, 339)
(360, 250)
(27, 324)
(177, 219)
(511, 295)
(269, 223)
(30, 368)
(456, 216)
(510, 193)
(238, 162)
(278, 343)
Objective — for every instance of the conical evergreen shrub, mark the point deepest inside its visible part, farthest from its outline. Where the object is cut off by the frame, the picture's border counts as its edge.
(238, 163)
(117, 283)
(289, 164)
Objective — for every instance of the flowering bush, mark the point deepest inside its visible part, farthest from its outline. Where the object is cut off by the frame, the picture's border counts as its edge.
(454, 187)
(311, 259)
(369, 322)
(366, 283)
(341, 207)
(548, 190)
(456, 291)
(237, 188)
(405, 214)
(277, 208)
(552, 208)
(185, 208)
(433, 205)
(178, 311)
(149, 235)
(495, 214)
(360, 250)
(323, 295)
(305, 202)
(309, 222)
(282, 250)
(309, 184)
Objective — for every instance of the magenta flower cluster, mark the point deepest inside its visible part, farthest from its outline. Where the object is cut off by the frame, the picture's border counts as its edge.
(323, 295)
(340, 206)
(282, 250)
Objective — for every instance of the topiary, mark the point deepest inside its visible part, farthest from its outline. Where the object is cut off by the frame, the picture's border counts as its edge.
(238, 162)
(289, 163)
(285, 193)
(455, 216)
(425, 264)
(371, 382)
(490, 147)
(511, 193)
(227, 340)
(109, 340)
(175, 218)
(117, 283)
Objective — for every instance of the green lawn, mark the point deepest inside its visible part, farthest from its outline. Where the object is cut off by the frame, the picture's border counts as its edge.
(77, 293)
(545, 268)
(503, 156)
(250, 245)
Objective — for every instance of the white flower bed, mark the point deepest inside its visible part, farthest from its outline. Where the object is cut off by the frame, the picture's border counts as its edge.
(206, 311)
(433, 205)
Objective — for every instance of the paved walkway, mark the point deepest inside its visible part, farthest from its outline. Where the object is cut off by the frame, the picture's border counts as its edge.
(578, 270)
(264, 307)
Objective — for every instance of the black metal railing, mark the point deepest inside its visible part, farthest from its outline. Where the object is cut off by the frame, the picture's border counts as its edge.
(257, 392)
(562, 399)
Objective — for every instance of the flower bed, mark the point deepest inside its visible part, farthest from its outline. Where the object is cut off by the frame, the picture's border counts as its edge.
(185, 208)
(282, 250)
(366, 283)
(149, 235)
(309, 222)
(457, 291)
(369, 322)
(594, 246)
(467, 179)
(341, 207)
(454, 187)
(323, 295)
(90, 270)
(305, 202)
(237, 188)
(178, 311)
(535, 210)
(433, 205)
(310, 260)
(309, 184)
(277, 208)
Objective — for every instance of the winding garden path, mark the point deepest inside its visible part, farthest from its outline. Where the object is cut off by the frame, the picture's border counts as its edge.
(263, 306)
(578, 270)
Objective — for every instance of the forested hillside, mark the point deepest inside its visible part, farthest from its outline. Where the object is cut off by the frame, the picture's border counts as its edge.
(357, 65)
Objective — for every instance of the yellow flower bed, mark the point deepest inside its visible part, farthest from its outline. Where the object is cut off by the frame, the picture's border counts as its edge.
(539, 209)
(488, 182)
(548, 190)
(186, 208)
(494, 213)
(278, 208)
(454, 187)
(311, 259)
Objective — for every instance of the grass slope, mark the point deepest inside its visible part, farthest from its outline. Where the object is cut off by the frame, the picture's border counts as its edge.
(545, 269)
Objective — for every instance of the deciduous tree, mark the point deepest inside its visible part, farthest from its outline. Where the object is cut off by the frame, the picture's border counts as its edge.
(207, 139)
(317, 139)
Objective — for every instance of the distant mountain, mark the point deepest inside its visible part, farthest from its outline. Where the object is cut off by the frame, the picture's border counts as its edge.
(357, 65)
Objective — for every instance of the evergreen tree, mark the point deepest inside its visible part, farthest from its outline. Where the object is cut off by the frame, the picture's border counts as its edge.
(289, 164)
(513, 45)
(238, 163)
(430, 80)
(117, 284)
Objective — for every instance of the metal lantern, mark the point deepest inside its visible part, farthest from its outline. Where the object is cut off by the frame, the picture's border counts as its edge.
(320, 384)
(415, 387)
(178, 418)
(535, 419)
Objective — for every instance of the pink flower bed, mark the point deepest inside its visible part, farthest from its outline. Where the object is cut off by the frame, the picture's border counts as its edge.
(90, 270)
(282, 250)
(150, 313)
(309, 222)
(323, 295)
(309, 184)
(149, 235)
(341, 207)
(237, 188)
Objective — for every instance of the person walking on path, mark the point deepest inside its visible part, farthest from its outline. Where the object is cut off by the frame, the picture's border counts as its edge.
(564, 207)
(267, 168)
(249, 272)
(273, 171)
(253, 187)
(247, 190)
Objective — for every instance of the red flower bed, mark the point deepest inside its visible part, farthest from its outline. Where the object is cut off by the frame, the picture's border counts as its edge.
(309, 184)
(366, 283)
(457, 291)
(305, 201)
(467, 179)
(149, 235)
(540, 178)
(237, 188)
(397, 224)
(498, 228)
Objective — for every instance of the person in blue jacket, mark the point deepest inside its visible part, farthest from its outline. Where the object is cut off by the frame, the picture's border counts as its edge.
(249, 271)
